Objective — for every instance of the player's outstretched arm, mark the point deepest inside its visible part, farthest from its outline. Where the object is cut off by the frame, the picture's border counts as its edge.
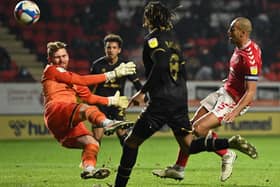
(86, 96)
(116, 100)
(61, 75)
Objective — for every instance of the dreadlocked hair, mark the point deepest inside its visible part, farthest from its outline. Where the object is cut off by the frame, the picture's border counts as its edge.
(159, 15)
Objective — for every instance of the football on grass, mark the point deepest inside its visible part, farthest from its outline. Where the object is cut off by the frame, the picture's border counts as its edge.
(27, 12)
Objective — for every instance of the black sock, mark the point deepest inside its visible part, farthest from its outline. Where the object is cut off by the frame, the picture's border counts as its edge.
(213, 144)
(127, 162)
(122, 138)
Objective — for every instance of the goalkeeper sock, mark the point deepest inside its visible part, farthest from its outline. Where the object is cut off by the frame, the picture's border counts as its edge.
(89, 155)
(94, 116)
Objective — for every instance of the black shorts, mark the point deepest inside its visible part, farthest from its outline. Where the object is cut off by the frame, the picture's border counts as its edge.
(113, 112)
(150, 121)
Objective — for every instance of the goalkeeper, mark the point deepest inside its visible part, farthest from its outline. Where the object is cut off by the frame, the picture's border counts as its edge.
(64, 116)
(112, 48)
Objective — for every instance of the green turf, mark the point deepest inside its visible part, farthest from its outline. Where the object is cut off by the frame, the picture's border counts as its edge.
(41, 163)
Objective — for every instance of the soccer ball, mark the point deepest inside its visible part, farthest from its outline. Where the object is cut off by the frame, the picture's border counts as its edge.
(27, 12)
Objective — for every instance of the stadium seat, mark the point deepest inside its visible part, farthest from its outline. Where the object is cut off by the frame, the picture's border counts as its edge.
(272, 76)
(53, 36)
(55, 26)
(69, 11)
(57, 11)
(82, 66)
(27, 34)
(9, 75)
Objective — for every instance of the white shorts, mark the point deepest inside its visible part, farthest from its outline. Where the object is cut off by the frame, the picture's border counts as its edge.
(220, 103)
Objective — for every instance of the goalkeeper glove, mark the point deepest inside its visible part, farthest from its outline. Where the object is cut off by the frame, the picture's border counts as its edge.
(118, 100)
(122, 70)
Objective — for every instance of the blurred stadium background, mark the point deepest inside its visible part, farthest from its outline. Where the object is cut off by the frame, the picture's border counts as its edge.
(201, 26)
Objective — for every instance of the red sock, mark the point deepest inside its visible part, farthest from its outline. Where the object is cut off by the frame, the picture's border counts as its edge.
(221, 152)
(94, 115)
(182, 159)
(89, 154)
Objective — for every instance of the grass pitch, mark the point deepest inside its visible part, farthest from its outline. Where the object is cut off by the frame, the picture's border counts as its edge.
(42, 163)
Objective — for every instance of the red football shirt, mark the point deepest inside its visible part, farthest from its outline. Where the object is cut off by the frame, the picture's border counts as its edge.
(245, 65)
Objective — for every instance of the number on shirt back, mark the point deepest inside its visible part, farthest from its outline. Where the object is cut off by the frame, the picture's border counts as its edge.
(174, 66)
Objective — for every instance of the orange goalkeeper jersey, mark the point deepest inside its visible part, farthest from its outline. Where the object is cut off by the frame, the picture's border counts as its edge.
(60, 85)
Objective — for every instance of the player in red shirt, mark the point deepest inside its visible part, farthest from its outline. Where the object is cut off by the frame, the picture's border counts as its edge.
(230, 101)
(64, 116)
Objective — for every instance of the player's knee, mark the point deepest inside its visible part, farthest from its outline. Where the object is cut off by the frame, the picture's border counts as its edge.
(98, 133)
(132, 142)
(182, 132)
(199, 131)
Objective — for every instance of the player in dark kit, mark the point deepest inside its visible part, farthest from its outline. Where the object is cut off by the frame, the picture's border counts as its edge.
(112, 47)
(166, 86)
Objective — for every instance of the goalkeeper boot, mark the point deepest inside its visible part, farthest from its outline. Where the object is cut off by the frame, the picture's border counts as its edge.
(241, 144)
(173, 172)
(114, 125)
(96, 173)
(227, 165)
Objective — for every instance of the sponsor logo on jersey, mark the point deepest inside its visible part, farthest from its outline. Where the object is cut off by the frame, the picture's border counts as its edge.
(153, 42)
(254, 70)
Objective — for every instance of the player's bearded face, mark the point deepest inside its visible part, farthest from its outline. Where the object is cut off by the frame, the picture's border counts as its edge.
(60, 58)
(112, 50)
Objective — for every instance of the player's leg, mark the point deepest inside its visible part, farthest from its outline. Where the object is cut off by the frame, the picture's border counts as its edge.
(176, 171)
(64, 120)
(201, 127)
(189, 145)
(89, 155)
(80, 137)
(143, 129)
(89, 158)
(116, 114)
(122, 134)
(228, 158)
(221, 103)
(182, 158)
(98, 134)
(181, 126)
(210, 144)
(99, 120)
(128, 160)
(119, 114)
(204, 125)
